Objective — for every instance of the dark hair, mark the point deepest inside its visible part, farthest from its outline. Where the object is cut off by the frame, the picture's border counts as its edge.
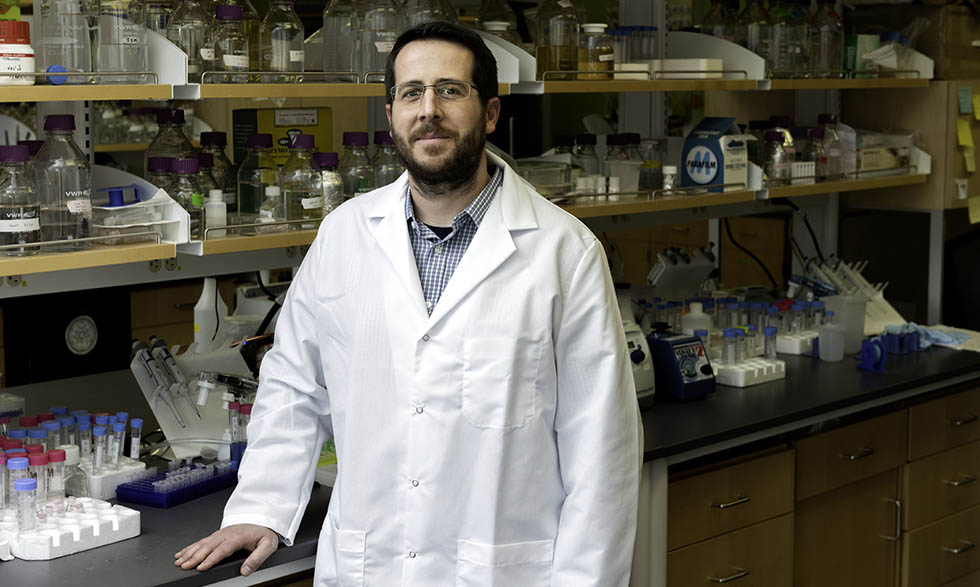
(484, 65)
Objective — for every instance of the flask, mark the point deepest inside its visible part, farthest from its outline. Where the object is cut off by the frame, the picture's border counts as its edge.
(231, 47)
(272, 210)
(257, 171)
(205, 163)
(584, 155)
(187, 192)
(556, 42)
(775, 163)
(300, 183)
(159, 172)
(190, 30)
(215, 214)
(827, 42)
(719, 21)
(223, 171)
(64, 181)
(19, 205)
(67, 27)
(499, 11)
(158, 13)
(282, 39)
(340, 44)
(355, 168)
(386, 161)
(595, 52)
(170, 140)
(331, 185)
(379, 24)
(422, 11)
(122, 41)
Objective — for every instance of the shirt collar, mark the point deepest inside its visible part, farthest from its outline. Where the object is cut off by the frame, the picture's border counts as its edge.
(477, 208)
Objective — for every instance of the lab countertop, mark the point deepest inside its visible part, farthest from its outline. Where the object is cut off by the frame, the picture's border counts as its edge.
(811, 388)
(148, 560)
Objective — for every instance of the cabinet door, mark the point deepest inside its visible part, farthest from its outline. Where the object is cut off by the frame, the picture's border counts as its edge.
(941, 485)
(944, 423)
(943, 551)
(847, 537)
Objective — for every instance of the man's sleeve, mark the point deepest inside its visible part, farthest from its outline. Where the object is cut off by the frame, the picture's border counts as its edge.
(598, 434)
(290, 418)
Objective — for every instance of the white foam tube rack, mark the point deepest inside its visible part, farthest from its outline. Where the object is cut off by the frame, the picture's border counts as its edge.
(102, 485)
(751, 372)
(67, 532)
(796, 344)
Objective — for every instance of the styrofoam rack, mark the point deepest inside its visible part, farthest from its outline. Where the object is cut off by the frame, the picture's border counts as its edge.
(11, 405)
(103, 485)
(751, 372)
(67, 533)
(795, 344)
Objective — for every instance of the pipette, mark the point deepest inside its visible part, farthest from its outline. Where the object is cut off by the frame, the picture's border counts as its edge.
(165, 358)
(142, 352)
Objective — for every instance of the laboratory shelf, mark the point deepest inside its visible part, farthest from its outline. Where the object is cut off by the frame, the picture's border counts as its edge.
(129, 147)
(302, 90)
(74, 93)
(626, 85)
(885, 83)
(605, 207)
(853, 185)
(97, 256)
(240, 244)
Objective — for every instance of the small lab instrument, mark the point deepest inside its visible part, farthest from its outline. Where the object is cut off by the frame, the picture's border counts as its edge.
(678, 274)
(638, 348)
(681, 365)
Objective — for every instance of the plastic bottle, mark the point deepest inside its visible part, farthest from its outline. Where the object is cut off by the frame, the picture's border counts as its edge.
(54, 434)
(20, 208)
(502, 29)
(331, 184)
(379, 23)
(215, 213)
(210, 312)
(76, 482)
(187, 192)
(695, 319)
(355, 168)
(827, 42)
(190, 30)
(99, 450)
(595, 52)
(118, 439)
(300, 183)
(256, 172)
(66, 28)
(556, 41)
(158, 13)
(386, 161)
(122, 41)
(832, 141)
(231, 46)
(775, 162)
(272, 210)
(584, 155)
(816, 151)
(422, 11)
(85, 437)
(769, 345)
(135, 435)
(170, 140)
(56, 473)
(282, 37)
(223, 172)
(25, 504)
(340, 40)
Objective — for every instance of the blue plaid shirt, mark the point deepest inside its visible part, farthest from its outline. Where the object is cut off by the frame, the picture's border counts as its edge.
(437, 258)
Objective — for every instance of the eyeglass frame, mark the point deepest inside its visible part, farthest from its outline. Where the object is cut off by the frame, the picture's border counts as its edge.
(424, 87)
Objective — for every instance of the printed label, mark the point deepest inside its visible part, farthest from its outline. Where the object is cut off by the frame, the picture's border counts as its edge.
(207, 54)
(566, 4)
(265, 216)
(79, 205)
(197, 199)
(384, 46)
(297, 56)
(296, 117)
(835, 152)
(607, 57)
(235, 61)
(20, 225)
(312, 203)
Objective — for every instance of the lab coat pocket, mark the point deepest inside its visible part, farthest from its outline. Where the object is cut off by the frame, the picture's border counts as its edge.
(499, 385)
(524, 564)
(349, 557)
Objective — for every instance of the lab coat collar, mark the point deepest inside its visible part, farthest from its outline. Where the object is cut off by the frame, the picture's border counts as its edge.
(511, 210)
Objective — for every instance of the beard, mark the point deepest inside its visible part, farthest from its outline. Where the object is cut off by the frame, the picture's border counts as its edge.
(449, 174)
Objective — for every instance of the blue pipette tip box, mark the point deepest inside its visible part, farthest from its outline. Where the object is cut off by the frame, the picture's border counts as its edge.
(142, 492)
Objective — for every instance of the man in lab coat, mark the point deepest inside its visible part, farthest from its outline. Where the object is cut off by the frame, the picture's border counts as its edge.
(459, 338)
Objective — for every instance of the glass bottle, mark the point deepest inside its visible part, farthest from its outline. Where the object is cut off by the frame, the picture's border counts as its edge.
(158, 13)
(170, 140)
(595, 52)
(584, 155)
(386, 160)
(355, 168)
(379, 24)
(122, 41)
(223, 171)
(300, 183)
(253, 31)
(422, 11)
(341, 29)
(331, 184)
(64, 181)
(834, 152)
(556, 41)
(190, 30)
(256, 171)
(205, 179)
(498, 11)
(500, 28)
(231, 47)
(775, 163)
(19, 204)
(159, 172)
(282, 37)
(719, 21)
(272, 209)
(65, 41)
(187, 192)
(783, 124)
(816, 152)
(827, 42)
(758, 30)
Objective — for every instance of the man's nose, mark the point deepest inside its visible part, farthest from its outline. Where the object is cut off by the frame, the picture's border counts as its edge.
(430, 106)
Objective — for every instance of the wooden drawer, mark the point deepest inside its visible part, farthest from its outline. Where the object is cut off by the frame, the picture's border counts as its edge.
(712, 503)
(763, 551)
(172, 303)
(971, 580)
(942, 551)
(834, 459)
(941, 485)
(944, 423)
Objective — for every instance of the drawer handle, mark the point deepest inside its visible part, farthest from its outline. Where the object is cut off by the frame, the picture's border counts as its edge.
(898, 520)
(739, 501)
(967, 545)
(964, 480)
(957, 422)
(741, 573)
(863, 453)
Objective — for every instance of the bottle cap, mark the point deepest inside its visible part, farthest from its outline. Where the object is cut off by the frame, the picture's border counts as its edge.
(817, 305)
(229, 12)
(66, 421)
(324, 160)
(59, 122)
(32, 146)
(383, 137)
(772, 310)
(670, 169)
(753, 327)
(733, 306)
(594, 27)
(781, 120)
(34, 448)
(760, 124)
(14, 153)
(729, 333)
(632, 138)
(769, 331)
(186, 166)
(496, 26)
(122, 416)
(17, 463)
(28, 484)
(56, 455)
(165, 116)
(775, 136)
(112, 421)
(45, 417)
(830, 314)
(77, 413)
(37, 433)
(585, 139)
(564, 141)
(57, 80)
(615, 140)
(215, 196)
(38, 459)
(16, 452)
(84, 424)
(119, 427)
(739, 331)
(159, 165)
(99, 431)
(261, 141)
(817, 133)
(213, 138)
(136, 422)
(797, 307)
(272, 190)
(15, 32)
(205, 160)
(245, 410)
(355, 139)
(51, 425)
(233, 406)
(59, 410)
(700, 332)
(302, 142)
(18, 433)
(71, 454)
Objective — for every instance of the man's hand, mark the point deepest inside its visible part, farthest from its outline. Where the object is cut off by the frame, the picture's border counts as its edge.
(207, 552)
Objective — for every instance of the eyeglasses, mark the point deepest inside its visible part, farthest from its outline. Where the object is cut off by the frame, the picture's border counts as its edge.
(449, 90)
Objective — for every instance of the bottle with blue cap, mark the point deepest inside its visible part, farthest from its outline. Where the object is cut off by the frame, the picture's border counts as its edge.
(53, 428)
(17, 468)
(135, 433)
(98, 460)
(25, 503)
(730, 350)
(770, 343)
(796, 319)
(85, 437)
(117, 441)
(67, 430)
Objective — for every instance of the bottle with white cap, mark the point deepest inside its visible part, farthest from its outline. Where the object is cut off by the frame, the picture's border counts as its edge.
(273, 209)
(595, 52)
(215, 213)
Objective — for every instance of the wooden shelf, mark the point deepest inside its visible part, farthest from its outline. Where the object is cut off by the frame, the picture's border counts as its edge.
(97, 256)
(304, 90)
(130, 147)
(829, 187)
(619, 86)
(239, 244)
(848, 84)
(604, 207)
(74, 93)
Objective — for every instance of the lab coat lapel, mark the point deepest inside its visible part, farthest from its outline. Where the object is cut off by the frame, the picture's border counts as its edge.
(391, 233)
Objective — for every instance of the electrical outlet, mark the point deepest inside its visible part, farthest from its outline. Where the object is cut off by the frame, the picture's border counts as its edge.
(171, 263)
(155, 266)
(290, 252)
(13, 280)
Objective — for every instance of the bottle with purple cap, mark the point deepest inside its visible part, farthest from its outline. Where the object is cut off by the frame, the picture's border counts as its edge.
(64, 181)
(188, 192)
(355, 168)
(331, 185)
(159, 172)
(170, 140)
(386, 160)
(231, 46)
(300, 183)
(224, 172)
(20, 209)
(205, 179)
(256, 172)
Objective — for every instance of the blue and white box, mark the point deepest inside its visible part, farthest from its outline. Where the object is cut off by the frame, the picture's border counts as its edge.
(716, 154)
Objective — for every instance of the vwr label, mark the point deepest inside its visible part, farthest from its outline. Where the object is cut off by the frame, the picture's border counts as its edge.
(297, 56)
(312, 203)
(78, 203)
(236, 61)
(21, 225)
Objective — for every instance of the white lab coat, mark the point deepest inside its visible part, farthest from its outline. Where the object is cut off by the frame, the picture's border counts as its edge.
(493, 443)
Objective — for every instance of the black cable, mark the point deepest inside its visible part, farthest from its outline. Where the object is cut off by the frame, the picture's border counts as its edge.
(799, 249)
(266, 290)
(728, 229)
(217, 317)
(268, 319)
(806, 222)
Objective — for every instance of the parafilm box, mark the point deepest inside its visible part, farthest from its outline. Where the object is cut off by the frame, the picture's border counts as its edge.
(282, 123)
(716, 154)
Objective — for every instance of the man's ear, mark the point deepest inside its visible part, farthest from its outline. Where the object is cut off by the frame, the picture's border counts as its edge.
(388, 114)
(493, 114)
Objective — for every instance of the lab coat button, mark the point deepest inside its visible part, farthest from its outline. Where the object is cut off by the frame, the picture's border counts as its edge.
(415, 482)
(419, 410)
(425, 337)
(411, 555)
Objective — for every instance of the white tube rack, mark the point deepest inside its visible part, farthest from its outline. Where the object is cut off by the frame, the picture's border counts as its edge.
(68, 533)
(750, 372)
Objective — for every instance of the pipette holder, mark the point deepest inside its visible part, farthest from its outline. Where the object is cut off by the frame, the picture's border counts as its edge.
(796, 344)
(751, 372)
(143, 492)
(67, 533)
(11, 405)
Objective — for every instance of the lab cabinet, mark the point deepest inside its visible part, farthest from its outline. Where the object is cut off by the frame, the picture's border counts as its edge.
(766, 238)
(943, 423)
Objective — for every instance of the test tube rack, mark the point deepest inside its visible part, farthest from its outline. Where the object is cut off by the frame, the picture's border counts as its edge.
(796, 344)
(65, 532)
(176, 487)
(751, 372)
(102, 485)
(11, 405)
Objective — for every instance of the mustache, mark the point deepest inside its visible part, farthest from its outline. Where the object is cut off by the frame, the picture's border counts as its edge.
(428, 130)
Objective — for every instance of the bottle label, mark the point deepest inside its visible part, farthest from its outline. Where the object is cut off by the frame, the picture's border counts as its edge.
(197, 199)
(266, 216)
(835, 152)
(606, 57)
(20, 225)
(207, 54)
(297, 56)
(78, 203)
(235, 61)
(312, 203)
(384, 46)
(566, 4)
